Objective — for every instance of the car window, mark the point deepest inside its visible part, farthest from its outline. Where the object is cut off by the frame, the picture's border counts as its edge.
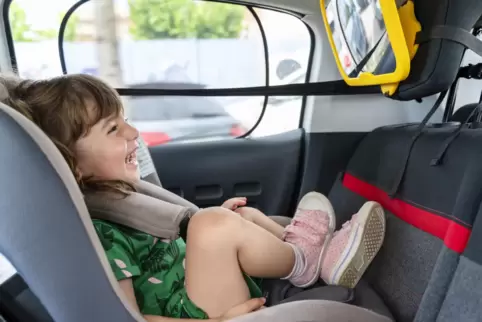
(205, 107)
(187, 43)
(149, 108)
(165, 108)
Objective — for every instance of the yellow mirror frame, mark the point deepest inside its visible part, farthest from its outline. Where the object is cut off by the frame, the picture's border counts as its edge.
(397, 40)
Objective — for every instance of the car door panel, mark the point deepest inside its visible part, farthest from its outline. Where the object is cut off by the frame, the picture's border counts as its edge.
(326, 155)
(265, 170)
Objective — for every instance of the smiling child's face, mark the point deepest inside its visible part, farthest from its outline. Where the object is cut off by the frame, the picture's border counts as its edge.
(108, 151)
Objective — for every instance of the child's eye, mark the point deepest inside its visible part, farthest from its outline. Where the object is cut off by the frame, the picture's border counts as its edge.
(113, 129)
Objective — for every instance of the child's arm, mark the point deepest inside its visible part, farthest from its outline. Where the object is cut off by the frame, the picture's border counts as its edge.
(244, 308)
(260, 219)
(238, 204)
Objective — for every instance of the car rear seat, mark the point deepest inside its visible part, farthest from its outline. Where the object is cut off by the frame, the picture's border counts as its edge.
(428, 225)
(428, 221)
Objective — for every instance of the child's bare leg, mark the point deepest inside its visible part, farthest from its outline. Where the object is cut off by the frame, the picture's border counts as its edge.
(260, 219)
(221, 246)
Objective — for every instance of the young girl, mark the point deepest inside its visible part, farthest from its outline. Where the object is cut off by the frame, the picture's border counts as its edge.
(228, 247)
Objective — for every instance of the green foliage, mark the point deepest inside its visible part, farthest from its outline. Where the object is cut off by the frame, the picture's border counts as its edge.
(70, 32)
(175, 19)
(21, 30)
(46, 34)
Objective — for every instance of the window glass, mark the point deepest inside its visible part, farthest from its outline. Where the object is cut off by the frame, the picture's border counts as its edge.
(170, 44)
(168, 119)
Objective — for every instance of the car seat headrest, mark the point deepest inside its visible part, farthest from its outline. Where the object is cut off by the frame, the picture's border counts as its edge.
(46, 231)
(436, 63)
(463, 113)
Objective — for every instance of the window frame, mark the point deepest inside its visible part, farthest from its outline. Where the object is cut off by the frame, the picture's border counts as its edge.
(250, 6)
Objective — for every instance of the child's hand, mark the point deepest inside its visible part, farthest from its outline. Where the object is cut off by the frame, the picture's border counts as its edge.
(250, 214)
(234, 203)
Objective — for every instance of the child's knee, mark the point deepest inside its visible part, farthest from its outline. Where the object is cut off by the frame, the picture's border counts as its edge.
(212, 221)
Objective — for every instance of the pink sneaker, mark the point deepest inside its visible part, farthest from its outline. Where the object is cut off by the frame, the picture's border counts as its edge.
(354, 246)
(310, 231)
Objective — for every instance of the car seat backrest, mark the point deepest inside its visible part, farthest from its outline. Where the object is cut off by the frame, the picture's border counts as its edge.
(46, 231)
(428, 221)
(437, 61)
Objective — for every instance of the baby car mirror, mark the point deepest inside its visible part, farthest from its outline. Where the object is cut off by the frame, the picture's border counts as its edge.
(367, 40)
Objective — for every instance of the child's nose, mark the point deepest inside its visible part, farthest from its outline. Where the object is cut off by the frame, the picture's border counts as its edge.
(131, 133)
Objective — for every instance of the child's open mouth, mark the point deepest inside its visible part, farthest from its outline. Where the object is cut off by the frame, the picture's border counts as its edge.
(131, 158)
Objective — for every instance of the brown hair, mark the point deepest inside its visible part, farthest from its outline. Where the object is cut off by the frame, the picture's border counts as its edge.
(62, 108)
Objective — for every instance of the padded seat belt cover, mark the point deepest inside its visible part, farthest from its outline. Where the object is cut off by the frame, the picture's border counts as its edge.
(151, 210)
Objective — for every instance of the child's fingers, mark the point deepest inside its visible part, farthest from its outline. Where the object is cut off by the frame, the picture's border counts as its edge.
(240, 198)
(239, 204)
(234, 203)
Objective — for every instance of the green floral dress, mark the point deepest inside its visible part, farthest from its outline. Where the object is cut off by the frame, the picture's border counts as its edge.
(156, 268)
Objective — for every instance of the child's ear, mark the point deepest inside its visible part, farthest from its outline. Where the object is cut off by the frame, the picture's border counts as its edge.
(78, 176)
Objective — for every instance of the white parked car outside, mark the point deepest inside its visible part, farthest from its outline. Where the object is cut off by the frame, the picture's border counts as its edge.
(282, 113)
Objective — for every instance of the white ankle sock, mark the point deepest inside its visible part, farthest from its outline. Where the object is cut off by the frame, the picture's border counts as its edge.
(299, 265)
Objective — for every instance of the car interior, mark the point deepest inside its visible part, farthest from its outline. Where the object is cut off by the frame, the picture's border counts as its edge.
(413, 150)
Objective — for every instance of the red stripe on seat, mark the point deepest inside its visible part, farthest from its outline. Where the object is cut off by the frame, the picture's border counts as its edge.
(454, 235)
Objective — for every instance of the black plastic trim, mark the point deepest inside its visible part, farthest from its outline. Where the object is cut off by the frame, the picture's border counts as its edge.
(60, 38)
(308, 72)
(266, 70)
(8, 34)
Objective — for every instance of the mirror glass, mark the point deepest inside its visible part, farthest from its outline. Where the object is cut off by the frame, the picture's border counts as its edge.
(360, 37)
